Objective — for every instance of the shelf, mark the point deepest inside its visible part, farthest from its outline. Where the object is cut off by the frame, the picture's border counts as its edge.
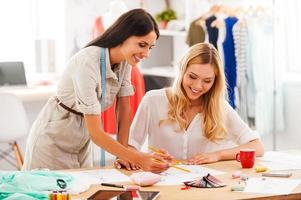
(163, 71)
(165, 32)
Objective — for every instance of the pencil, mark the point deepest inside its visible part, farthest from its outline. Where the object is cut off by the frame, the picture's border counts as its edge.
(177, 161)
(180, 168)
(160, 153)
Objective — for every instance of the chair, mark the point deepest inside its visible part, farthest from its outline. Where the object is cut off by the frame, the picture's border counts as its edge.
(13, 126)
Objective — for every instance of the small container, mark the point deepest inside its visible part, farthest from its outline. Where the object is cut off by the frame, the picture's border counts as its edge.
(259, 169)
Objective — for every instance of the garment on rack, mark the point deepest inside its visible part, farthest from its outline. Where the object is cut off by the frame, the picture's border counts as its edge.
(229, 57)
(261, 35)
(221, 38)
(212, 31)
(196, 33)
(245, 104)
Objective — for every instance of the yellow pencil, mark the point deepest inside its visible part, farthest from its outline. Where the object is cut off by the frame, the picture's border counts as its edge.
(176, 161)
(160, 153)
(180, 168)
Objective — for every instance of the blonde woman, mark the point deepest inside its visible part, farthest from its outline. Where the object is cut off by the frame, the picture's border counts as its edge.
(192, 121)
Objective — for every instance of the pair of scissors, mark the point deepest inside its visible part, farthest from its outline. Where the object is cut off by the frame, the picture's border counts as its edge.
(61, 183)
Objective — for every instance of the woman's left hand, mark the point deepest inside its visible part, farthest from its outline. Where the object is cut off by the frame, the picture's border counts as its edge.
(203, 158)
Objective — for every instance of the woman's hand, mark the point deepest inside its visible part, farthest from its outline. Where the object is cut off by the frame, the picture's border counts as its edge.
(152, 162)
(119, 163)
(164, 154)
(203, 158)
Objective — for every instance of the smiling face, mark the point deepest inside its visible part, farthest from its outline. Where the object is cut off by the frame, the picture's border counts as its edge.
(135, 48)
(197, 80)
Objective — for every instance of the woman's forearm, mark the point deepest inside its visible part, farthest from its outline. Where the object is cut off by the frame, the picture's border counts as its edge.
(101, 139)
(123, 119)
(229, 154)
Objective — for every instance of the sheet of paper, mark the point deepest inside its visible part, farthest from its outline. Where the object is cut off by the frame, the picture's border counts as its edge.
(271, 185)
(84, 179)
(112, 176)
(176, 177)
(280, 161)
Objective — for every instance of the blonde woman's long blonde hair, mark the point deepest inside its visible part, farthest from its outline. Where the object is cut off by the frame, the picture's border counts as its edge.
(212, 102)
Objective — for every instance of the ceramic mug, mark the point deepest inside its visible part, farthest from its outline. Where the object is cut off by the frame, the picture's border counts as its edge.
(246, 157)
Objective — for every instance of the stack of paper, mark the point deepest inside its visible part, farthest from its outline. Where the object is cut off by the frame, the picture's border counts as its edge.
(271, 185)
(280, 161)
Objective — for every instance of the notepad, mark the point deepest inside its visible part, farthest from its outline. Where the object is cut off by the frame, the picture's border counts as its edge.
(280, 161)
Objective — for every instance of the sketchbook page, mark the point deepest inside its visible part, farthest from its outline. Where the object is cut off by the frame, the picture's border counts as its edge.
(113, 176)
(271, 185)
(280, 161)
(174, 176)
(83, 179)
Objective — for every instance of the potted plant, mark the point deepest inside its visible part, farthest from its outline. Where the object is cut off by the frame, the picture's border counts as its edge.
(165, 16)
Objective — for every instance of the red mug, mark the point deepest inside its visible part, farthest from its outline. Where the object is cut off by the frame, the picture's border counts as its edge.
(246, 157)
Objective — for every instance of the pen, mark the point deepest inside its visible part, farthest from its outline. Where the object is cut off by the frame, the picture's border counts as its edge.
(112, 185)
(126, 187)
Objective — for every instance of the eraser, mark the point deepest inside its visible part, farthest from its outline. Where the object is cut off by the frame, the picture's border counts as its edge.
(261, 169)
(132, 187)
(239, 187)
(236, 174)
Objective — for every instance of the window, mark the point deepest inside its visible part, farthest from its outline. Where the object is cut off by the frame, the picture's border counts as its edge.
(32, 31)
(17, 32)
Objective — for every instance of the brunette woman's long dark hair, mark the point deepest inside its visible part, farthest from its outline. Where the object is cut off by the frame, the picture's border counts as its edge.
(136, 22)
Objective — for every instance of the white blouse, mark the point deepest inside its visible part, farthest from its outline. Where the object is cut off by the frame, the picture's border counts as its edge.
(182, 144)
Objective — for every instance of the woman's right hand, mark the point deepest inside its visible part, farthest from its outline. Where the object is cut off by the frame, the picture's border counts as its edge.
(152, 162)
(120, 163)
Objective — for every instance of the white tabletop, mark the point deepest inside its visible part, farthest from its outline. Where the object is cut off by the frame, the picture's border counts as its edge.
(30, 93)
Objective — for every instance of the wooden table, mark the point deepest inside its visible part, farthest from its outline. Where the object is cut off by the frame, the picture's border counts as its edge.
(175, 192)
